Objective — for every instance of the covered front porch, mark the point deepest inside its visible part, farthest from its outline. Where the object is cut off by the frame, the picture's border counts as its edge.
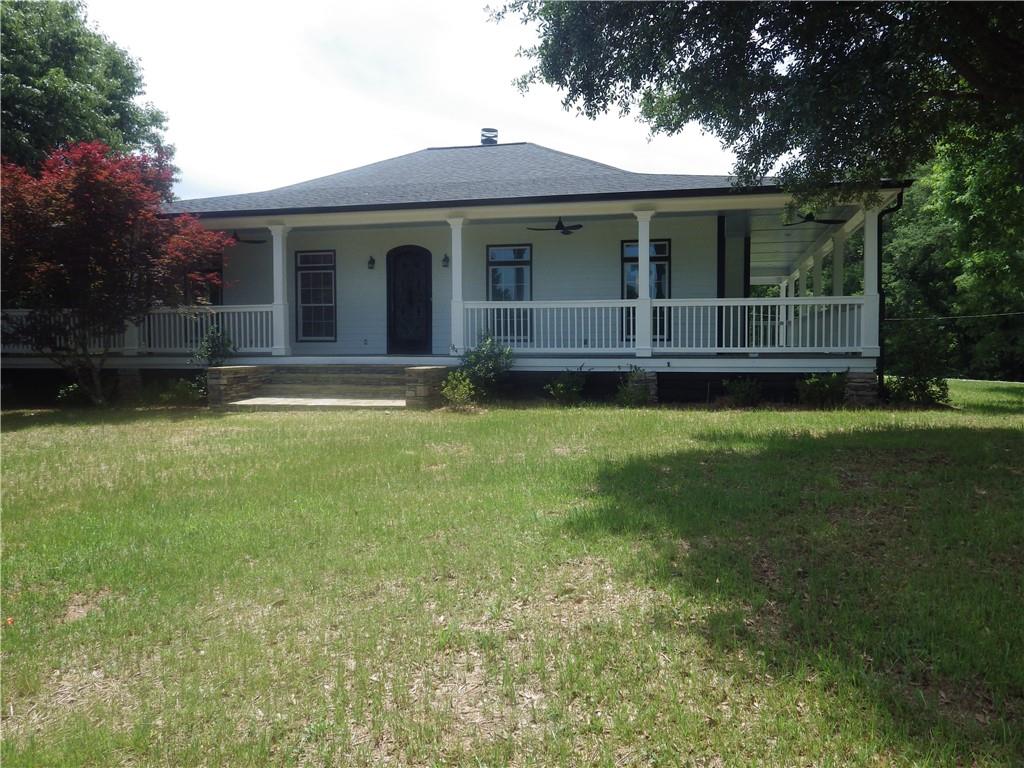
(660, 284)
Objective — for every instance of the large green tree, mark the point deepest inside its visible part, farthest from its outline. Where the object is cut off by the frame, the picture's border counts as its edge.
(818, 92)
(61, 82)
(956, 252)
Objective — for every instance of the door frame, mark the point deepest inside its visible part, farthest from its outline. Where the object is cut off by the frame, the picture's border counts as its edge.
(391, 260)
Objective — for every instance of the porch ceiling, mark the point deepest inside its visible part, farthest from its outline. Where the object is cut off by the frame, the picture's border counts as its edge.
(775, 247)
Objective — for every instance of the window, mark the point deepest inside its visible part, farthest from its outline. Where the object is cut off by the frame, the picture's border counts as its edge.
(509, 278)
(314, 284)
(660, 276)
(208, 292)
(508, 272)
(661, 255)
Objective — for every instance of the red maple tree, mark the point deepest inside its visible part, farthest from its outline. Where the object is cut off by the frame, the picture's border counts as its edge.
(86, 251)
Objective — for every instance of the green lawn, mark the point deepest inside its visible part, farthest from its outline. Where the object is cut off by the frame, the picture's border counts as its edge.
(527, 586)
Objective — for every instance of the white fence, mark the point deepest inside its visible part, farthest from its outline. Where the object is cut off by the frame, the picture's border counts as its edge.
(601, 326)
(821, 324)
(97, 342)
(178, 331)
(249, 328)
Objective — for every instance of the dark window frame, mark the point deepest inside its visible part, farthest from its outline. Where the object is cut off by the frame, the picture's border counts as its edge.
(524, 327)
(507, 263)
(624, 259)
(659, 327)
(299, 269)
(214, 293)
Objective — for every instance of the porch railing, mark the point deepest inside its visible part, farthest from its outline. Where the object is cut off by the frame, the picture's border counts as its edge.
(598, 326)
(250, 328)
(815, 324)
(177, 331)
(821, 324)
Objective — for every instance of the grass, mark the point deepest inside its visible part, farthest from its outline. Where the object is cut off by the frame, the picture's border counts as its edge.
(586, 586)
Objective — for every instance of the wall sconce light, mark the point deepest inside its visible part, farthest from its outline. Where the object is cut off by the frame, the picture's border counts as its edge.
(371, 263)
(445, 261)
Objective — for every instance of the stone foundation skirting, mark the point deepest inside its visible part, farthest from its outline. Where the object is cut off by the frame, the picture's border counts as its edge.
(861, 389)
(423, 386)
(228, 383)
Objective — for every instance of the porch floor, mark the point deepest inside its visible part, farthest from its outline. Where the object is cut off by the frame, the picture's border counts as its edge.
(304, 403)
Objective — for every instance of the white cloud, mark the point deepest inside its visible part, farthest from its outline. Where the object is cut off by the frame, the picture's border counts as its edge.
(261, 94)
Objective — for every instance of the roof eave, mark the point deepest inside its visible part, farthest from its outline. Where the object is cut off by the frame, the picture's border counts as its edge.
(575, 198)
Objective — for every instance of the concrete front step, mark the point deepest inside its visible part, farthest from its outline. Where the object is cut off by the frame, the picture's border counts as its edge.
(317, 402)
(329, 390)
(290, 386)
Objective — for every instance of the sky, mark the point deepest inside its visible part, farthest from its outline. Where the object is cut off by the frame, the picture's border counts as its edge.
(262, 94)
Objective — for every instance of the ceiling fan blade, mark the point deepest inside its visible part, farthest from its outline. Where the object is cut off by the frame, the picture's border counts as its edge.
(573, 227)
(238, 239)
(543, 229)
(810, 218)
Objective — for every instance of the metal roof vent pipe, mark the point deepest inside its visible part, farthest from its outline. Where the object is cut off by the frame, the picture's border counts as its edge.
(489, 136)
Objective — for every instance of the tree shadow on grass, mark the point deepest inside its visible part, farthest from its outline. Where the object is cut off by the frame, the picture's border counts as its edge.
(890, 561)
(34, 418)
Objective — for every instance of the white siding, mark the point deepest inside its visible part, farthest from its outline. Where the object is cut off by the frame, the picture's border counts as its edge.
(585, 265)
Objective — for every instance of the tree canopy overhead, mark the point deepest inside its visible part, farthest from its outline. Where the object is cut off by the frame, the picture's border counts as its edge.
(820, 92)
(64, 82)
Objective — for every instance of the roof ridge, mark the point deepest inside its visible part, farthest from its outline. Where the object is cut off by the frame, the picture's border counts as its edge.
(478, 146)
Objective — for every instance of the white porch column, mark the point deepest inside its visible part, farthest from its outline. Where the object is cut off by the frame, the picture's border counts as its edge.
(838, 263)
(282, 342)
(784, 318)
(131, 339)
(820, 257)
(458, 343)
(869, 318)
(643, 283)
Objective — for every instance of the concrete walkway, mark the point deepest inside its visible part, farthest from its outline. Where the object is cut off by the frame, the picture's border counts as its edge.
(300, 403)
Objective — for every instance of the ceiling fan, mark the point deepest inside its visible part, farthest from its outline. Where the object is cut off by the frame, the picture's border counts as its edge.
(559, 227)
(810, 219)
(243, 240)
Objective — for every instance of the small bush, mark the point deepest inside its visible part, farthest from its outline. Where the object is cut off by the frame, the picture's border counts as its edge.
(822, 390)
(743, 393)
(487, 365)
(633, 391)
(72, 394)
(214, 348)
(184, 392)
(567, 387)
(917, 390)
(458, 390)
(919, 360)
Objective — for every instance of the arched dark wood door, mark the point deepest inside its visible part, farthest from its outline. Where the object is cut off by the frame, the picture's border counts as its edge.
(409, 304)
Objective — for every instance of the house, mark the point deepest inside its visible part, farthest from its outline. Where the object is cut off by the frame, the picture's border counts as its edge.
(572, 263)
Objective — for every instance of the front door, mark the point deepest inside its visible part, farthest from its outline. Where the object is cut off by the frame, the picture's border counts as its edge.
(409, 314)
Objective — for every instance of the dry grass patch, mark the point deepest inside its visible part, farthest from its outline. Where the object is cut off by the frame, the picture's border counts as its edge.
(81, 605)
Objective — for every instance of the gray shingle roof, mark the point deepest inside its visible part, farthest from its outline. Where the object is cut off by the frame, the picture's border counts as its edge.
(470, 175)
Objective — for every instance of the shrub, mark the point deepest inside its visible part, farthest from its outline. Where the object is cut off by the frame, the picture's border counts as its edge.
(743, 393)
(214, 347)
(567, 387)
(822, 390)
(458, 390)
(919, 359)
(185, 391)
(72, 394)
(633, 391)
(486, 365)
(917, 390)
